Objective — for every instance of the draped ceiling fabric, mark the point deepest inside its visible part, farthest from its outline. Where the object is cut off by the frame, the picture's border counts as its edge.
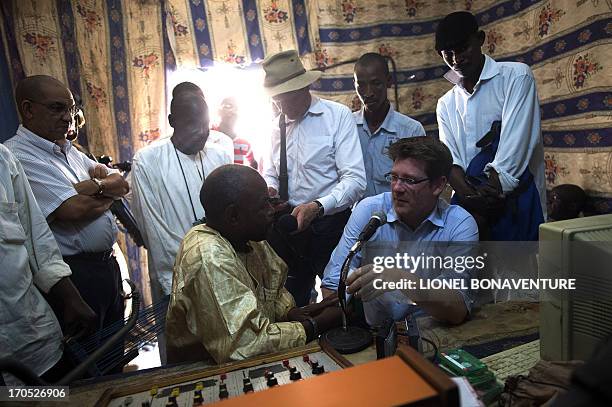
(115, 56)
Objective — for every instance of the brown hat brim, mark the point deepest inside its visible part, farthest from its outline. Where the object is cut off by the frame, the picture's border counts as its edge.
(296, 83)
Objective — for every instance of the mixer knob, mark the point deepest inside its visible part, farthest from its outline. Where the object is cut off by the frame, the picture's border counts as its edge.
(272, 381)
(223, 393)
(294, 374)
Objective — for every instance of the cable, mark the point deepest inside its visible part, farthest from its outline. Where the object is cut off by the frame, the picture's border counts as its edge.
(429, 341)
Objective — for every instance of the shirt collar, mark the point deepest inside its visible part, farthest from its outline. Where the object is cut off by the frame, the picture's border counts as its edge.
(489, 70)
(316, 107)
(436, 217)
(42, 143)
(388, 124)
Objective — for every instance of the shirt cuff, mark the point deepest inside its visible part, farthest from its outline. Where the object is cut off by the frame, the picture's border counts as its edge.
(328, 202)
(507, 181)
(50, 274)
(271, 182)
(330, 282)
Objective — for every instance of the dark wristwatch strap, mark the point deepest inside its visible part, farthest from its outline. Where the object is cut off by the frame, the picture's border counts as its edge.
(321, 209)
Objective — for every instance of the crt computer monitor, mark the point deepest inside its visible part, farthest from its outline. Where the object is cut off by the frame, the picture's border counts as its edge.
(572, 325)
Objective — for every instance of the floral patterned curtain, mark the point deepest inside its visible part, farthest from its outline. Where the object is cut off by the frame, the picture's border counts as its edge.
(566, 43)
(116, 56)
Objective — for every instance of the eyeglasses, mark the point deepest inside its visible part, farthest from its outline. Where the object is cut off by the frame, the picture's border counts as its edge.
(58, 109)
(404, 181)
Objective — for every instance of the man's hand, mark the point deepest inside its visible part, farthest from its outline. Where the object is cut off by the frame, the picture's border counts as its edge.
(305, 214)
(457, 180)
(272, 193)
(297, 314)
(78, 318)
(361, 281)
(311, 310)
(494, 183)
(115, 186)
(100, 171)
(316, 308)
(330, 317)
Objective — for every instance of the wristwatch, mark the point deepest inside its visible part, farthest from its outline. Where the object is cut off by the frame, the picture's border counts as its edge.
(321, 209)
(100, 185)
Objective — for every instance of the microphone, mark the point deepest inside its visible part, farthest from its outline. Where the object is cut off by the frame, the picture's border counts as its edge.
(286, 224)
(351, 339)
(377, 220)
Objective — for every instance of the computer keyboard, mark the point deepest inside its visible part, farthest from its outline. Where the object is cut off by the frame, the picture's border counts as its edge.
(515, 361)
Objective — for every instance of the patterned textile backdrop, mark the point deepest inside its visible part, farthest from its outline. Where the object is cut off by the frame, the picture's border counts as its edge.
(116, 56)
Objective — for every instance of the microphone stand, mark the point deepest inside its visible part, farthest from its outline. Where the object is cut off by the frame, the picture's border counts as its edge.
(347, 339)
(342, 282)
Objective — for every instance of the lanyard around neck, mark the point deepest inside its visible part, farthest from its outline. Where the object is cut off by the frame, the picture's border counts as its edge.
(195, 216)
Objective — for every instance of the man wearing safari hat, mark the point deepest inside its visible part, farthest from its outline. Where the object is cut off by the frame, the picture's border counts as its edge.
(324, 167)
(490, 121)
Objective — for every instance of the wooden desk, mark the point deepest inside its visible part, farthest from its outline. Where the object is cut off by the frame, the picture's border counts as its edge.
(488, 323)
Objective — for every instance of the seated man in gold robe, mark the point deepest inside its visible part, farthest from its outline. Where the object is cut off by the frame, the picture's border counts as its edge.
(228, 298)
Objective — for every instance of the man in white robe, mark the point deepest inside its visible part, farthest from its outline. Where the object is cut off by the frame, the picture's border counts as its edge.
(166, 182)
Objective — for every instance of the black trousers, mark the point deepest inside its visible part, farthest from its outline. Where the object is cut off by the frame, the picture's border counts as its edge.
(98, 278)
(308, 252)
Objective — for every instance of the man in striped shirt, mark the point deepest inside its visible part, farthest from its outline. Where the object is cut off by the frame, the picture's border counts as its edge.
(74, 194)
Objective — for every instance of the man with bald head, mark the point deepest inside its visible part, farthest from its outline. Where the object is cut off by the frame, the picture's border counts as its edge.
(228, 297)
(74, 193)
(166, 180)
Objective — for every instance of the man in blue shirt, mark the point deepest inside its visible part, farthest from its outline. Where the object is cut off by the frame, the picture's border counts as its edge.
(415, 213)
(378, 124)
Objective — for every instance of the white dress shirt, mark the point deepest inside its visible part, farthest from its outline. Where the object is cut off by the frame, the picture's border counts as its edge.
(324, 160)
(505, 91)
(29, 258)
(52, 172)
(164, 201)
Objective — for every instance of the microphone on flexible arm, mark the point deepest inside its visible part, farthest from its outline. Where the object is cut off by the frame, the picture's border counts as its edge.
(376, 220)
(351, 339)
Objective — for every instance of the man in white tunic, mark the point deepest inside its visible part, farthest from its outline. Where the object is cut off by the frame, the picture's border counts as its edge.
(501, 181)
(167, 178)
